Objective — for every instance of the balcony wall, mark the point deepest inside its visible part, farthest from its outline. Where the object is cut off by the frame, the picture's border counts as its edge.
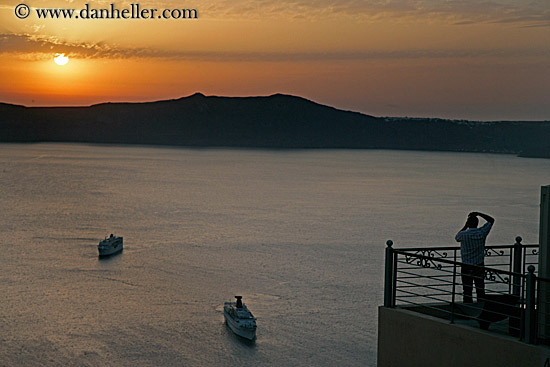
(408, 338)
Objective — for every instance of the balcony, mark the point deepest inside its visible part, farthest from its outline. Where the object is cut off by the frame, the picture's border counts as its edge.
(424, 312)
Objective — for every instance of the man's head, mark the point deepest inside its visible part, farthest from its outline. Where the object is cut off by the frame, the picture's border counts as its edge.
(472, 221)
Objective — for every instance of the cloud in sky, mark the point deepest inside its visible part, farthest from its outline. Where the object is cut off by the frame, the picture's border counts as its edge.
(458, 11)
(34, 41)
(42, 47)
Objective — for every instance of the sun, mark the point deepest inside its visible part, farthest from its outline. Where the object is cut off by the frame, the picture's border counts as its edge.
(61, 59)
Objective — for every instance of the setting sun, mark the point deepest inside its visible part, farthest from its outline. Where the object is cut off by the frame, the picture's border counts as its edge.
(464, 62)
(61, 59)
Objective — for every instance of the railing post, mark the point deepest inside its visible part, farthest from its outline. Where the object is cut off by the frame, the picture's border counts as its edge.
(530, 312)
(389, 300)
(454, 290)
(516, 288)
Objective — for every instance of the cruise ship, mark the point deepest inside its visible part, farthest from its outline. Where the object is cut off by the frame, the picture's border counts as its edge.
(110, 246)
(240, 319)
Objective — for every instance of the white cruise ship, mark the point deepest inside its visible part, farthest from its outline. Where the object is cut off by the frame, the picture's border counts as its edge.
(240, 319)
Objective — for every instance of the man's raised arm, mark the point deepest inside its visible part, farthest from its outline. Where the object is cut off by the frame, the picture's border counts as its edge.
(488, 218)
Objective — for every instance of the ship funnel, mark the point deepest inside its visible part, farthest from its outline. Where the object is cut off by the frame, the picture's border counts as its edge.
(239, 301)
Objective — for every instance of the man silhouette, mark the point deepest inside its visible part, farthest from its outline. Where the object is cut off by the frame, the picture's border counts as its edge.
(472, 252)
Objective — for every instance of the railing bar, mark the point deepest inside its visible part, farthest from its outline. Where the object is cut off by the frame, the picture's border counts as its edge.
(405, 293)
(436, 299)
(408, 291)
(406, 272)
(425, 284)
(448, 283)
(439, 248)
(442, 279)
(507, 264)
(489, 280)
(419, 285)
(433, 285)
(425, 294)
(413, 276)
(410, 301)
(443, 270)
(449, 248)
(432, 248)
(444, 301)
(411, 257)
(420, 296)
(421, 268)
(422, 285)
(503, 289)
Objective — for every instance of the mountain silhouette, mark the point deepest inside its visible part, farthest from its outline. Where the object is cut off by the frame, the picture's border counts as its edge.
(277, 121)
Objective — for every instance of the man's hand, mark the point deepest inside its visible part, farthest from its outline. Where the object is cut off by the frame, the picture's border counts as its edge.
(488, 218)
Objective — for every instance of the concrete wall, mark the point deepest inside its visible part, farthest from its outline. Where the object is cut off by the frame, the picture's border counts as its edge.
(408, 338)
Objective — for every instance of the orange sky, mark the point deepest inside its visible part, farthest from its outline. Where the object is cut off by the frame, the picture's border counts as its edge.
(468, 59)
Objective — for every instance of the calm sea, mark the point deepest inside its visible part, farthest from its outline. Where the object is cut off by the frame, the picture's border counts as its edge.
(300, 234)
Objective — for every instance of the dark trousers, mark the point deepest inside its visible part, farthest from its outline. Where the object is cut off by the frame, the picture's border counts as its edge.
(470, 275)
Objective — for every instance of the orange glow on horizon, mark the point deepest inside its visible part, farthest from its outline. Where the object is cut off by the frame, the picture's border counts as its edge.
(372, 58)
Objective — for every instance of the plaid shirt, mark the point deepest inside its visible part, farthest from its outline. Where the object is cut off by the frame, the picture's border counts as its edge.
(472, 244)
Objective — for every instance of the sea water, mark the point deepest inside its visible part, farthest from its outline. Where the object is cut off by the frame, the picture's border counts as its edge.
(300, 234)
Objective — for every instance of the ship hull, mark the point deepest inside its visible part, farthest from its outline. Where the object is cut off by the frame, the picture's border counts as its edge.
(109, 247)
(109, 251)
(247, 333)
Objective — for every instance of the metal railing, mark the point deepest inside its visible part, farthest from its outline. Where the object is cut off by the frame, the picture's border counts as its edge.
(511, 298)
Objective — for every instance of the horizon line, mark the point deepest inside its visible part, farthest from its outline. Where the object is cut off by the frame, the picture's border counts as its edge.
(200, 94)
